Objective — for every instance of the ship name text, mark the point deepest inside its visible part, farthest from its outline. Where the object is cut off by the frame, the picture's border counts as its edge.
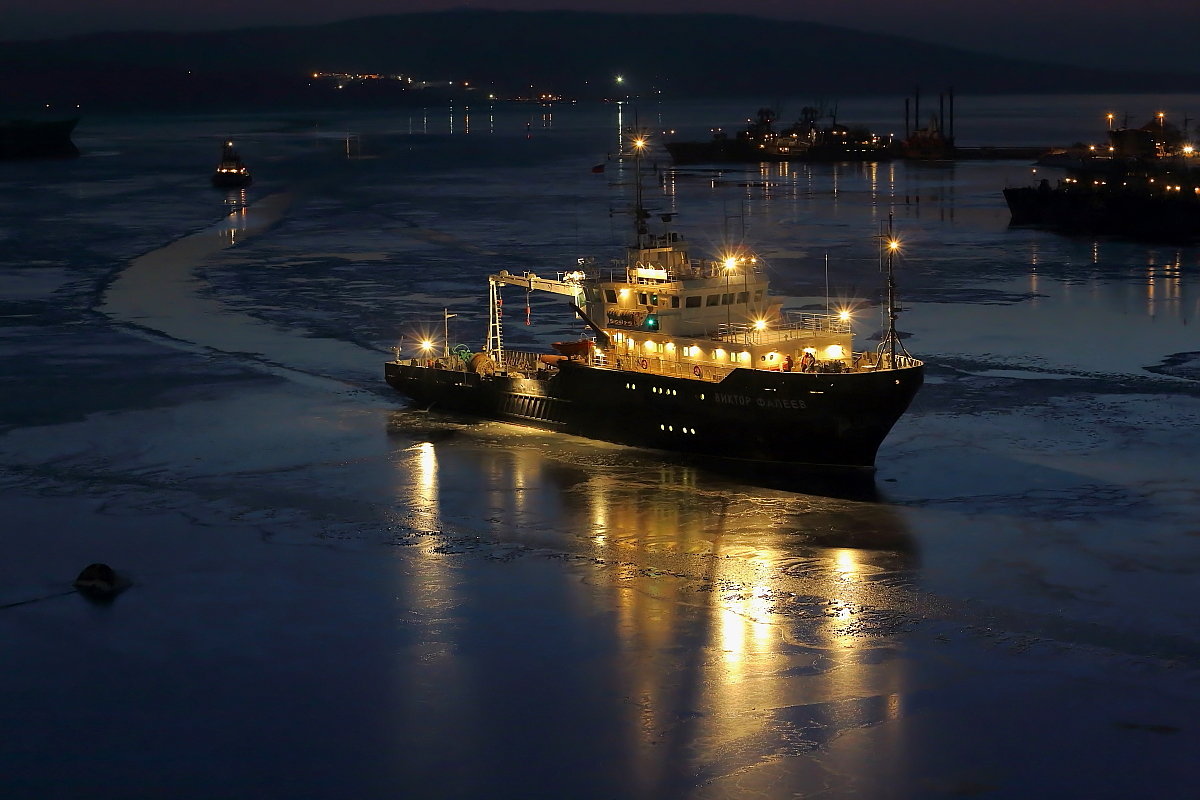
(762, 402)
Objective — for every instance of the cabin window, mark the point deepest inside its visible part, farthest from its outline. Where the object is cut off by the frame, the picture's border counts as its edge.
(743, 298)
(610, 296)
(675, 301)
(653, 299)
(758, 295)
(713, 300)
(726, 299)
(693, 301)
(641, 298)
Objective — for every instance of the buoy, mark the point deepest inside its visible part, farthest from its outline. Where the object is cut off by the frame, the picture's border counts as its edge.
(100, 582)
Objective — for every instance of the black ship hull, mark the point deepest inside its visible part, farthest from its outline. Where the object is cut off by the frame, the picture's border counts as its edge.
(1130, 213)
(835, 419)
(226, 181)
(25, 138)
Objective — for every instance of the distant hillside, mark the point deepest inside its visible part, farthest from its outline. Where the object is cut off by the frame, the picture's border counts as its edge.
(515, 53)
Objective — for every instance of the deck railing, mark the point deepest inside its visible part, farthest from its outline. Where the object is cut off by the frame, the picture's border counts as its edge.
(529, 363)
(785, 328)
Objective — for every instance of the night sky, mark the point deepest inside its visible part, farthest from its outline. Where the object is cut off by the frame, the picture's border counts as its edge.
(1149, 34)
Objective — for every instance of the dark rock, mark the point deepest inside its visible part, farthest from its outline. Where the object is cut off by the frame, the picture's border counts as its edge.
(100, 582)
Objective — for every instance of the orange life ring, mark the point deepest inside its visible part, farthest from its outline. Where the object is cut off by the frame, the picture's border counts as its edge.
(643, 364)
(697, 371)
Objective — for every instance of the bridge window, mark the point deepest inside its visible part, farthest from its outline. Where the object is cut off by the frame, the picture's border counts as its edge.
(743, 298)
(610, 296)
(674, 301)
(726, 299)
(693, 301)
(713, 300)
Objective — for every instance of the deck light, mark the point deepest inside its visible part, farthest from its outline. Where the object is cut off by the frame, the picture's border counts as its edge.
(844, 315)
(760, 324)
(426, 345)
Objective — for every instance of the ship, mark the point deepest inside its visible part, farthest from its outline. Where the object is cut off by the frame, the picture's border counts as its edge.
(1145, 184)
(682, 355)
(231, 171)
(810, 138)
(37, 138)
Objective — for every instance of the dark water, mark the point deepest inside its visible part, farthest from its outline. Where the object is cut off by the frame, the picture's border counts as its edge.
(337, 595)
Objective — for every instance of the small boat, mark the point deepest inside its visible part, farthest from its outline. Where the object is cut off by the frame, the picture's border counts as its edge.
(37, 138)
(684, 355)
(809, 139)
(231, 172)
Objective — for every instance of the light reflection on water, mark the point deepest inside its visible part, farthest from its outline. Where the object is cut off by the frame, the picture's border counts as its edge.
(745, 617)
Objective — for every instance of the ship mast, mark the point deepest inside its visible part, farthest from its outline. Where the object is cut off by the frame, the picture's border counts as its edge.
(640, 215)
(889, 245)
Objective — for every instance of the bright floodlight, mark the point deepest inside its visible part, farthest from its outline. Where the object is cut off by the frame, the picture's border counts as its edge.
(426, 344)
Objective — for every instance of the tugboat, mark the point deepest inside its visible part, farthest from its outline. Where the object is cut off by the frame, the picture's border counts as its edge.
(231, 173)
(808, 139)
(1144, 185)
(685, 355)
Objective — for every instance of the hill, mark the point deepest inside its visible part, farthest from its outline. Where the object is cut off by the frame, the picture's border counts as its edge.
(509, 53)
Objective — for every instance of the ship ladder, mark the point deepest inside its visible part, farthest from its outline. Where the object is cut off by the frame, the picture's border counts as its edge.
(495, 345)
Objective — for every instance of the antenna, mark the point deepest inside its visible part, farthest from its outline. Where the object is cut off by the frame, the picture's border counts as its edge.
(827, 283)
(889, 245)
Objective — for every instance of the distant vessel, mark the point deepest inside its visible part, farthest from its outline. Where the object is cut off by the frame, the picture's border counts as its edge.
(686, 355)
(1145, 184)
(231, 173)
(37, 138)
(930, 143)
(1140, 206)
(809, 139)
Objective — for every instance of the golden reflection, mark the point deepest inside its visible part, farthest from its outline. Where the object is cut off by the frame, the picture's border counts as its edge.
(235, 223)
(731, 604)
(425, 486)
